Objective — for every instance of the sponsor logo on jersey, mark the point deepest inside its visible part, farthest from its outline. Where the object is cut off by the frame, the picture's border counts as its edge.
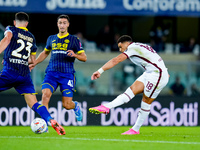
(67, 41)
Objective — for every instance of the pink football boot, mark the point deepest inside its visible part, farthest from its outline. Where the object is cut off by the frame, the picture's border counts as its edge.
(99, 109)
(130, 132)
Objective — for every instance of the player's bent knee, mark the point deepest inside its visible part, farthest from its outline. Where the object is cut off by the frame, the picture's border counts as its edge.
(67, 106)
(46, 93)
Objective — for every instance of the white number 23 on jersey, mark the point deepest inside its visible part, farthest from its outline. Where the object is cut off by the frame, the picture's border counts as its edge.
(27, 47)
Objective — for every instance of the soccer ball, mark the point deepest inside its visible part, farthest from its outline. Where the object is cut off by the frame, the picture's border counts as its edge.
(38, 125)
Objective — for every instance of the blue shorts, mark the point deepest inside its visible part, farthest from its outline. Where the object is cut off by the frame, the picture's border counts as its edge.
(23, 85)
(66, 81)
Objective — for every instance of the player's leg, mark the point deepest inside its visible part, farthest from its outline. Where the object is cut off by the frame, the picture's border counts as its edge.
(69, 104)
(136, 88)
(38, 108)
(144, 112)
(43, 112)
(148, 89)
(47, 90)
(154, 83)
(67, 84)
(25, 87)
(49, 85)
(46, 95)
(142, 115)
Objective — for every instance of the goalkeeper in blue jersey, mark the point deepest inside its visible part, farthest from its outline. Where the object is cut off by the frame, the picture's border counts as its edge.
(19, 45)
(64, 49)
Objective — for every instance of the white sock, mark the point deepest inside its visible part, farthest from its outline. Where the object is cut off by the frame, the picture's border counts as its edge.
(142, 115)
(121, 99)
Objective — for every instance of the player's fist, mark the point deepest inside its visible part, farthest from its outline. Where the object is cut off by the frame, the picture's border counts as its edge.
(31, 66)
(95, 75)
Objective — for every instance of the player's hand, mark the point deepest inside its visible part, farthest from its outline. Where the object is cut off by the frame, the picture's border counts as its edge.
(95, 75)
(31, 66)
(71, 53)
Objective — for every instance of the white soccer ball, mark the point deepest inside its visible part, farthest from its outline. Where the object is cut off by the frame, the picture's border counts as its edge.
(38, 125)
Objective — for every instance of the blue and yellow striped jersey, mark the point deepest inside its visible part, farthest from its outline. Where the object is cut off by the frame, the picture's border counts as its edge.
(18, 51)
(58, 45)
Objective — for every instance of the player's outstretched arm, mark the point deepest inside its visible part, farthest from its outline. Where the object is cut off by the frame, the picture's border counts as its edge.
(5, 41)
(113, 62)
(110, 64)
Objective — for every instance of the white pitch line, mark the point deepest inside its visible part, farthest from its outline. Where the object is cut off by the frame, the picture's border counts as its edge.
(112, 140)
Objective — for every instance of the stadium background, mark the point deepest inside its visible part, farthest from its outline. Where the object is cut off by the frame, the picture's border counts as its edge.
(133, 17)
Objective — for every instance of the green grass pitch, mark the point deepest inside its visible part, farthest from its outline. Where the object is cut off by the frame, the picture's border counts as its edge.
(101, 138)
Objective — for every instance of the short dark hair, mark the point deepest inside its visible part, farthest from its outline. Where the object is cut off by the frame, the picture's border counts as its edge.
(63, 16)
(124, 38)
(21, 16)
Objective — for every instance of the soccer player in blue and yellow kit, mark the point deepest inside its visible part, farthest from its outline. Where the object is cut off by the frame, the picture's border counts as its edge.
(64, 48)
(19, 45)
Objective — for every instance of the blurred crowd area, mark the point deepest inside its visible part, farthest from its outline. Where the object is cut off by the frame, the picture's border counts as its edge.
(184, 75)
(176, 39)
(99, 33)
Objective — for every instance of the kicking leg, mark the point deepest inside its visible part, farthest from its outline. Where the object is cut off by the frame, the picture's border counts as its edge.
(136, 88)
(119, 100)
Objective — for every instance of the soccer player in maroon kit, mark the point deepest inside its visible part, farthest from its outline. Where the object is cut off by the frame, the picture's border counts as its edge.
(150, 83)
